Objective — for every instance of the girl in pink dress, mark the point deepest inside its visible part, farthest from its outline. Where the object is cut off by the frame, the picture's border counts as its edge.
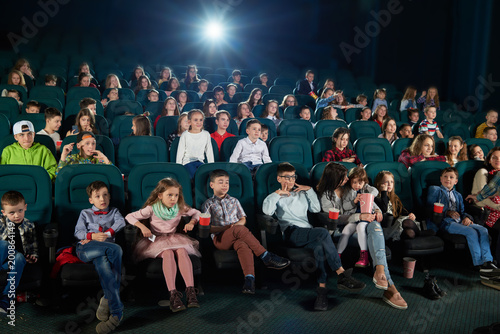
(162, 212)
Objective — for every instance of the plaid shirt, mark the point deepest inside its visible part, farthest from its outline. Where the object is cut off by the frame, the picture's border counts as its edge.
(27, 232)
(426, 126)
(490, 188)
(338, 155)
(223, 211)
(409, 160)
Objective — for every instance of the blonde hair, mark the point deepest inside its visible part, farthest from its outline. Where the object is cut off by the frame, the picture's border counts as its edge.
(462, 155)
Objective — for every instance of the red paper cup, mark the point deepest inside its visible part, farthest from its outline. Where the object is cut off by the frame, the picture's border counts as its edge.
(58, 143)
(333, 214)
(205, 219)
(438, 207)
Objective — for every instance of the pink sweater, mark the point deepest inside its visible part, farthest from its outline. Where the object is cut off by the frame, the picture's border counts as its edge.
(159, 226)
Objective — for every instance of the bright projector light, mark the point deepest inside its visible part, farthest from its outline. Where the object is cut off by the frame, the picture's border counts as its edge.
(214, 30)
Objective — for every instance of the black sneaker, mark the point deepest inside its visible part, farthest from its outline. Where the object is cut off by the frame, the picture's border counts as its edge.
(440, 292)
(488, 267)
(429, 289)
(274, 261)
(249, 286)
(321, 303)
(349, 283)
(495, 274)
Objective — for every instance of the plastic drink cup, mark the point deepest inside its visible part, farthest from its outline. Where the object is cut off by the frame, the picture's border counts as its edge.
(438, 207)
(333, 214)
(205, 219)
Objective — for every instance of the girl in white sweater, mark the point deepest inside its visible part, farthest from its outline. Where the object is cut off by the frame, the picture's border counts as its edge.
(194, 144)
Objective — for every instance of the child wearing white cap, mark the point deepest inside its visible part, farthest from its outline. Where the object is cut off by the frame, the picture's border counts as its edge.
(26, 152)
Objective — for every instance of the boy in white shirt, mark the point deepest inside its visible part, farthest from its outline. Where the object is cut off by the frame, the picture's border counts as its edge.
(251, 151)
(53, 118)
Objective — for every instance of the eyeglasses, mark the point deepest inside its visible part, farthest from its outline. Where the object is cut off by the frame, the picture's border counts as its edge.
(289, 178)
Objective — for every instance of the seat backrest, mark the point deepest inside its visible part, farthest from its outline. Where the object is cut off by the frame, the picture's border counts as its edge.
(232, 108)
(402, 181)
(485, 144)
(78, 93)
(154, 109)
(35, 185)
(373, 150)
(280, 89)
(352, 114)
(240, 97)
(326, 127)
(319, 148)
(38, 120)
(166, 125)
(103, 144)
(457, 129)
(293, 112)
(121, 127)
(291, 149)
(125, 94)
(296, 128)
(360, 129)
(266, 181)
(423, 175)
(399, 145)
(466, 171)
(47, 92)
(70, 196)
(10, 108)
(227, 147)
(269, 96)
(120, 107)
(240, 186)
(307, 100)
(4, 126)
(135, 150)
(175, 145)
(192, 105)
(22, 91)
(143, 179)
(250, 87)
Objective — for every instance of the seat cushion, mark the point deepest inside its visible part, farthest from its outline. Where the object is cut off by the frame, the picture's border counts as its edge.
(457, 240)
(79, 274)
(226, 259)
(424, 245)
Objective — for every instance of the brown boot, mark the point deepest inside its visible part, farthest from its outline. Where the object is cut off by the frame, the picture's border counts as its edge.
(176, 304)
(191, 297)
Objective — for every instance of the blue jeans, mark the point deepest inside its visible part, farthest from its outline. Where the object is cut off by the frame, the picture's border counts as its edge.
(192, 167)
(376, 246)
(253, 168)
(107, 259)
(320, 241)
(477, 239)
(16, 266)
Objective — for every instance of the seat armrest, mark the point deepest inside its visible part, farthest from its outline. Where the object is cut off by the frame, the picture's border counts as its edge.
(267, 223)
(325, 221)
(50, 235)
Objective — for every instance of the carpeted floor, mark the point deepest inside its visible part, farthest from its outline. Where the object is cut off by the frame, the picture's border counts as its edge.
(285, 306)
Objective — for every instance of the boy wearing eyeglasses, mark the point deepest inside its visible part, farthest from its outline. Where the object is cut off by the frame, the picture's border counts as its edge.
(290, 204)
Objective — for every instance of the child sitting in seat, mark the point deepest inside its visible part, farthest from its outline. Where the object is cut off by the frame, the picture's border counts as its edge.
(85, 142)
(413, 116)
(228, 229)
(305, 114)
(95, 230)
(112, 96)
(243, 111)
(163, 211)
(26, 152)
(389, 128)
(18, 245)
(379, 98)
(457, 221)
(182, 125)
(50, 80)
(491, 121)
(366, 114)
(202, 87)
(251, 151)
(490, 132)
(222, 119)
(272, 112)
(194, 144)
(351, 197)
(290, 203)
(84, 121)
(231, 90)
(33, 107)
(141, 126)
(405, 131)
(264, 133)
(53, 118)
(340, 150)
(429, 126)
